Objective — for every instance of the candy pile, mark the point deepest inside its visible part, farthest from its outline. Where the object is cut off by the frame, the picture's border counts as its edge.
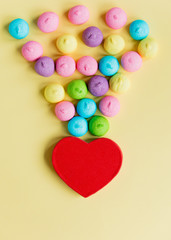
(65, 66)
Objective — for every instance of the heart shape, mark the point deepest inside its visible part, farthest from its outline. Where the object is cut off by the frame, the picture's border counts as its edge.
(86, 167)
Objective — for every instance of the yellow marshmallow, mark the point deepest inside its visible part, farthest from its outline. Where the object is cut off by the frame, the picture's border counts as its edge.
(114, 44)
(66, 43)
(54, 93)
(148, 47)
(119, 83)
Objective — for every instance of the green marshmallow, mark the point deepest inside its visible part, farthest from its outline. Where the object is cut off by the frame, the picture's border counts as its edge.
(77, 89)
(98, 125)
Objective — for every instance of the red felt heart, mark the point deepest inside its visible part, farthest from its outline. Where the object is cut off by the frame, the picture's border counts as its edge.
(86, 167)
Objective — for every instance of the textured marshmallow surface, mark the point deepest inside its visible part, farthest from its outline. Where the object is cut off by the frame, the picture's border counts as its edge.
(98, 126)
(86, 107)
(114, 44)
(92, 36)
(119, 83)
(18, 28)
(109, 106)
(116, 18)
(87, 65)
(131, 61)
(78, 14)
(148, 48)
(48, 22)
(98, 86)
(45, 66)
(78, 126)
(65, 66)
(139, 29)
(108, 65)
(54, 93)
(64, 110)
(77, 89)
(32, 51)
(66, 43)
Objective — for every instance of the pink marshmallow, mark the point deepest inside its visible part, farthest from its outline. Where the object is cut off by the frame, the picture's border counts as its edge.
(78, 14)
(109, 106)
(32, 51)
(48, 22)
(116, 18)
(87, 65)
(64, 110)
(131, 61)
(65, 66)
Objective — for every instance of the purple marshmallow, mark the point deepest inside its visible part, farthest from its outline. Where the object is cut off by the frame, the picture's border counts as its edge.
(98, 86)
(92, 36)
(45, 66)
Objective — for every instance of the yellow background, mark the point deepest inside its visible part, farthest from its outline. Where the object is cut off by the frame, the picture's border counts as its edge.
(34, 203)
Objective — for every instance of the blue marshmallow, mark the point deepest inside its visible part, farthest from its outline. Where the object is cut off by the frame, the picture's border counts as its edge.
(86, 107)
(18, 28)
(139, 29)
(78, 126)
(108, 65)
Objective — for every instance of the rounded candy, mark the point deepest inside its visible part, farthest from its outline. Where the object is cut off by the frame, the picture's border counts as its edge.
(114, 44)
(18, 28)
(66, 43)
(45, 66)
(86, 107)
(148, 47)
(98, 125)
(65, 110)
(32, 51)
(92, 36)
(131, 61)
(65, 66)
(108, 65)
(54, 93)
(116, 18)
(87, 65)
(77, 89)
(109, 106)
(119, 83)
(139, 29)
(48, 22)
(78, 126)
(78, 14)
(98, 86)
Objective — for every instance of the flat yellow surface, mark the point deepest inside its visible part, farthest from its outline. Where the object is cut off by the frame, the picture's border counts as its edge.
(34, 203)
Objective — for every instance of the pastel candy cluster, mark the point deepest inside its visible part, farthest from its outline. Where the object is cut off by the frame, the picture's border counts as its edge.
(81, 117)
